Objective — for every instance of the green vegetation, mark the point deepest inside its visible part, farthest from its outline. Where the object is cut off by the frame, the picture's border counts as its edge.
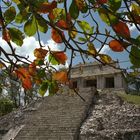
(6, 106)
(135, 99)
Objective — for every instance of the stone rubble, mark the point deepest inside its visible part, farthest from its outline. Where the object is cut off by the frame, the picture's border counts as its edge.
(112, 119)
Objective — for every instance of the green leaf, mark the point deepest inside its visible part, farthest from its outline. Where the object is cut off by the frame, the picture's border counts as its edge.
(105, 58)
(58, 13)
(10, 14)
(52, 60)
(74, 12)
(43, 88)
(108, 18)
(41, 23)
(16, 36)
(22, 17)
(53, 87)
(114, 4)
(85, 26)
(41, 73)
(30, 27)
(136, 41)
(82, 39)
(135, 56)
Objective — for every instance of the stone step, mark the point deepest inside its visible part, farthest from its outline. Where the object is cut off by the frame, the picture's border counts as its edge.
(57, 118)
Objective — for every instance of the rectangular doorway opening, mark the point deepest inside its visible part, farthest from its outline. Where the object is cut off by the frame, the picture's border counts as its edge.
(74, 84)
(91, 83)
(109, 82)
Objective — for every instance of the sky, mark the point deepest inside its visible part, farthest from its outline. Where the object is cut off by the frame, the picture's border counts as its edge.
(30, 43)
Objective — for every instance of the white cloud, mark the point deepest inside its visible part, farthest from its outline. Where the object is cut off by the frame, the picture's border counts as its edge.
(29, 44)
(53, 46)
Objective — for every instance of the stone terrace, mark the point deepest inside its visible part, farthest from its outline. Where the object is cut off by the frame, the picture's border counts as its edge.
(53, 118)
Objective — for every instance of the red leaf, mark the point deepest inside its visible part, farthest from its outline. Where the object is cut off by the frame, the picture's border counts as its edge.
(102, 1)
(116, 46)
(46, 7)
(122, 29)
(57, 36)
(62, 24)
(60, 57)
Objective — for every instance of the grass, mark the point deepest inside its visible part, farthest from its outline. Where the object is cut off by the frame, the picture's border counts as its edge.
(135, 99)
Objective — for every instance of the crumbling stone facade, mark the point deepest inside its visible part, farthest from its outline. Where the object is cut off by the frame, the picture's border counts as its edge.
(98, 75)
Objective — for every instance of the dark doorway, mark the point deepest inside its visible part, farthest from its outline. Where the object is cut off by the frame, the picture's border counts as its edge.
(109, 81)
(74, 84)
(91, 83)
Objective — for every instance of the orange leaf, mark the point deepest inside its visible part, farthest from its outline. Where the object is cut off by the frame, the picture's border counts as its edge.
(62, 24)
(122, 29)
(24, 76)
(80, 4)
(40, 53)
(116, 46)
(60, 57)
(32, 68)
(46, 7)
(6, 35)
(57, 36)
(27, 84)
(60, 76)
(51, 16)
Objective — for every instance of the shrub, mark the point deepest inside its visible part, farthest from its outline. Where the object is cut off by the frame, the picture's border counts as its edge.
(6, 106)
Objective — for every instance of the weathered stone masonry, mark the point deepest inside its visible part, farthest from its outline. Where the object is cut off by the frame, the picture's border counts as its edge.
(97, 75)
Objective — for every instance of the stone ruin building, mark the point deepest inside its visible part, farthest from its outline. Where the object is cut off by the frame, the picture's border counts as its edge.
(102, 116)
(98, 75)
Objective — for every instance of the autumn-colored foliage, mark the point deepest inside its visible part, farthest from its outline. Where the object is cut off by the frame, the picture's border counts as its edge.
(57, 37)
(24, 75)
(40, 53)
(102, 1)
(46, 7)
(6, 35)
(62, 24)
(60, 76)
(82, 27)
(60, 57)
(122, 29)
(116, 46)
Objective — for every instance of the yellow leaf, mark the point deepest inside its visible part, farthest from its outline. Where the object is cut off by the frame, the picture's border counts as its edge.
(91, 49)
(1, 65)
(73, 32)
(105, 58)
(135, 9)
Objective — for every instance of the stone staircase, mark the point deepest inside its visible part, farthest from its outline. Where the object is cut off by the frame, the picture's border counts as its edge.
(57, 118)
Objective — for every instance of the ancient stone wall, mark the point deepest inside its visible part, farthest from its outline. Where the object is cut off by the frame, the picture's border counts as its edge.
(112, 119)
(57, 117)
